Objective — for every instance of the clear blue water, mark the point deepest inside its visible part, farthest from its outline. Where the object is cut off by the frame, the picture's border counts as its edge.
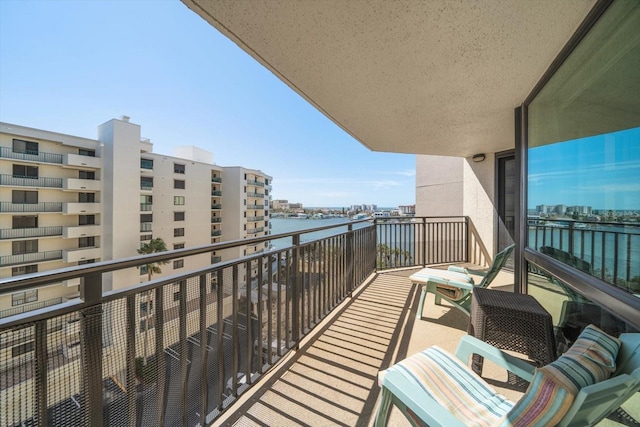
(287, 225)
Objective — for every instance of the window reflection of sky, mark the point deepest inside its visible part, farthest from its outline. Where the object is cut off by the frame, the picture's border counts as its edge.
(600, 171)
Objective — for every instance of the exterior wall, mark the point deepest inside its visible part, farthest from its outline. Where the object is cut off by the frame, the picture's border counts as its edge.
(455, 186)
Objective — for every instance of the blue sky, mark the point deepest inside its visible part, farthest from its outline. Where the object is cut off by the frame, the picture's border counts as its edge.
(600, 171)
(68, 66)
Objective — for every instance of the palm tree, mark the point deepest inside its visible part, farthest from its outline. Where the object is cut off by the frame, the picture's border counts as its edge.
(154, 246)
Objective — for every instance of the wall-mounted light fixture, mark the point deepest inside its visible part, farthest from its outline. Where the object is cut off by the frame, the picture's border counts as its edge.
(478, 157)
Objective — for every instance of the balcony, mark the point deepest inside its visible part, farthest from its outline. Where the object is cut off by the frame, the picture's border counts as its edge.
(216, 193)
(216, 206)
(38, 157)
(338, 309)
(73, 208)
(215, 233)
(28, 181)
(77, 184)
(255, 218)
(255, 230)
(9, 207)
(255, 206)
(80, 254)
(11, 260)
(75, 232)
(216, 179)
(146, 207)
(28, 233)
(255, 183)
(255, 195)
(216, 219)
(146, 226)
(77, 161)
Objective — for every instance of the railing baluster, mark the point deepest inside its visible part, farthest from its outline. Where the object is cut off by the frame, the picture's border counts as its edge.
(159, 354)
(41, 355)
(204, 342)
(131, 358)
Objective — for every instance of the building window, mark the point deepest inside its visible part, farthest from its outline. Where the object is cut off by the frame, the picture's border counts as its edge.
(24, 247)
(25, 297)
(146, 217)
(86, 242)
(147, 324)
(24, 222)
(178, 168)
(24, 197)
(25, 147)
(178, 200)
(146, 182)
(86, 174)
(24, 269)
(179, 263)
(146, 164)
(178, 246)
(145, 237)
(25, 171)
(178, 232)
(178, 184)
(178, 216)
(86, 261)
(86, 197)
(22, 349)
(144, 269)
(85, 152)
(86, 219)
(143, 308)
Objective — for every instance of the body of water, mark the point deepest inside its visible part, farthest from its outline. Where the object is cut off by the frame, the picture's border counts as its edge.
(288, 225)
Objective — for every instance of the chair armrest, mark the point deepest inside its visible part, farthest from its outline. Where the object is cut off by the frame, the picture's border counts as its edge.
(419, 401)
(457, 269)
(471, 345)
(442, 281)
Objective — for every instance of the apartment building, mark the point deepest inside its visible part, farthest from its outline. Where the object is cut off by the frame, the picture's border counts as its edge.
(66, 200)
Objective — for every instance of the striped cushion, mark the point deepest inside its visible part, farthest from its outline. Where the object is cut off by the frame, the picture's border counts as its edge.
(454, 386)
(591, 359)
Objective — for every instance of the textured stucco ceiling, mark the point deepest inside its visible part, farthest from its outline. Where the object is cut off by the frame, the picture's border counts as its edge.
(425, 77)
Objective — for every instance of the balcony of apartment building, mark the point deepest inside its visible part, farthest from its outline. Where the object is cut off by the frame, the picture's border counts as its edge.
(325, 315)
(216, 233)
(28, 257)
(216, 193)
(30, 232)
(216, 179)
(34, 155)
(255, 218)
(255, 195)
(216, 206)
(255, 206)
(216, 219)
(146, 166)
(255, 183)
(30, 207)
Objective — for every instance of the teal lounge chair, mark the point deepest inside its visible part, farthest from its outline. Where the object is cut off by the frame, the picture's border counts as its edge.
(455, 284)
(435, 388)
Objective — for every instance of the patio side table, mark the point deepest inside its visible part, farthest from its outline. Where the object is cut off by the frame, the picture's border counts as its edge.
(512, 321)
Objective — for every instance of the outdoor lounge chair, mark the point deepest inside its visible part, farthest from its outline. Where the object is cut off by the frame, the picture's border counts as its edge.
(578, 389)
(455, 284)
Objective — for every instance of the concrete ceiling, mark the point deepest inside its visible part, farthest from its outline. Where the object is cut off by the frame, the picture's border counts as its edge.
(423, 76)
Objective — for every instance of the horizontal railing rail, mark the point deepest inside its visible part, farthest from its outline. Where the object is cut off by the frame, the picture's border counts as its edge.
(179, 349)
(9, 260)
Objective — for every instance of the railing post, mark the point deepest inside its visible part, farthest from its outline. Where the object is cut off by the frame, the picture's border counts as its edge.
(183, 350)
(424, 242)
(295, 306)
(203, 350)
(91, 346)
(571, 230)
(159, 351)
(350, 264)
(41, 371)
(131, 358)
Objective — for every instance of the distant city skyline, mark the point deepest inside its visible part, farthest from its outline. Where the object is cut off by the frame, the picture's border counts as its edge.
(601, 171)
(82, 63)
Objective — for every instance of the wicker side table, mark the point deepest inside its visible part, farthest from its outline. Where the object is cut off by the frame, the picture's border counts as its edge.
(512, 321)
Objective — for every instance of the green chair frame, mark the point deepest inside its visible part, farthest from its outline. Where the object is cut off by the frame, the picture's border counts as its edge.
(456, 288)
(592, 404)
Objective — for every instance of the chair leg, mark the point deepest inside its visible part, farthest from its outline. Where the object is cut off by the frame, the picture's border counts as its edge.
(382, 414)
(438, 299)
(421, 304)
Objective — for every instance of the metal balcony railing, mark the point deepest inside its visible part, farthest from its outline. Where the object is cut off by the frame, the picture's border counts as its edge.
(31, 207)
(255, 218)
(254, 182)
(255, 195)
(29, 307)
(22, 233)
(216, 205)
(215, 233)
(29, 181)
(216, 193)
(255, 230)
(33, 156)
(216, 219)
(255, 206)
(216, 179)
(8, 260)
(146, 207)
(179, 349)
